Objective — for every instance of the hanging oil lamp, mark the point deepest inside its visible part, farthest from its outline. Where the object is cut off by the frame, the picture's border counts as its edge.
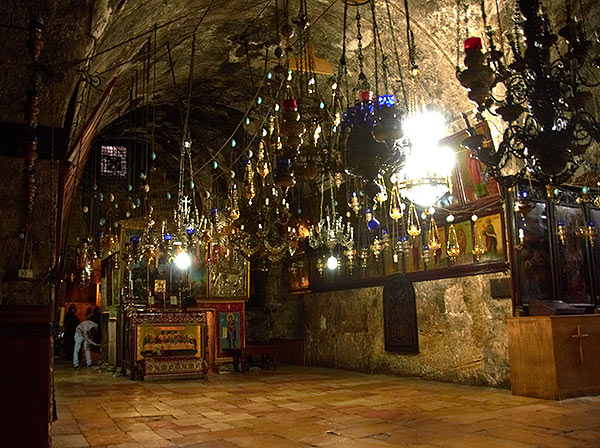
(591, 232)
(427, 253)
(234, 209)
(382, 195)
(351, 256)
(560, 231)
(354, 203)
(249, 189)
(262, 164)
(452, 247)
(293, 269)
(414, 225)
(396, 209)
(372, 222)
(396, 256)
(434, 237)
(291, 127)
(376, 247)
(364, 257)
(385, 238)
(320, 266)
(588, 232)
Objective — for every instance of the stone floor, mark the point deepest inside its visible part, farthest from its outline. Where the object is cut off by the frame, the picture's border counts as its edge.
(309, 407)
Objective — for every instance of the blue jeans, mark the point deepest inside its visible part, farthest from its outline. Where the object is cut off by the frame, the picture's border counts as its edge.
(79, 339)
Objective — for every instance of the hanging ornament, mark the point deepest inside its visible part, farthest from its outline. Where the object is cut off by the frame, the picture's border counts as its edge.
(396, 210)
(591, 232)
(365, 156)
(427, 253)
(262, 164)
(382, 196)
(385, 238)
(234, 209)
(372, 222)
(249, 189)
(364, 257)
(354, 203)
(588, 232)
(320, 266)
(434, 237)
(376, 247)
(293, 269)
(452, 248)
(351, 256)
(414, 225)
(403, 244)
(387, 127)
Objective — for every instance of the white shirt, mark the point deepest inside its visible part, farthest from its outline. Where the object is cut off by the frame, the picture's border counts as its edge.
(84, 328)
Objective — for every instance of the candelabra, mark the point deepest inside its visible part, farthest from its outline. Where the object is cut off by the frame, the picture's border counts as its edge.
(546, 85)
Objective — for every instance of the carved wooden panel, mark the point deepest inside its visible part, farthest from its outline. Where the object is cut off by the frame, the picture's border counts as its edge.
(400, 316)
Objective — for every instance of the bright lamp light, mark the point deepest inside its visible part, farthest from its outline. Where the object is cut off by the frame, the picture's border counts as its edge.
(183, 260)
(424, 178)
(332, 263)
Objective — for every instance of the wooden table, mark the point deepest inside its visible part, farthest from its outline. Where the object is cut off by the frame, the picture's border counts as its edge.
(268, 356)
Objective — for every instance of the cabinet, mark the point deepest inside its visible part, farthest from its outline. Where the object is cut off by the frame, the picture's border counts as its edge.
(554, 357)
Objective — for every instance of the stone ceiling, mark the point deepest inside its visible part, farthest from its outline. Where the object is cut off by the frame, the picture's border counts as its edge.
(109, 38)
(106, 39)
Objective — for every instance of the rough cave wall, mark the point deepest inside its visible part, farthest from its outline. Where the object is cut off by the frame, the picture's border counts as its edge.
(35, 291)
(463, 336)
(271, 311)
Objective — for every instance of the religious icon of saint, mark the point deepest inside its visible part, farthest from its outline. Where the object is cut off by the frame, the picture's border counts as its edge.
(491, 239)
(231, 333)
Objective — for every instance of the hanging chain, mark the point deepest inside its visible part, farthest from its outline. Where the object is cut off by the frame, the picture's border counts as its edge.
(458, 36)
(517, 21)
(361, 75)
(372, 2)
(343, 69)
(410, 39)
(277, 39)
(384, 66)
(500, 30)
(397, 55)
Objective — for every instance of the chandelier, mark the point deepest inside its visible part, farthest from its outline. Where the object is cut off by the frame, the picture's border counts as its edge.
(425, 176)
(544, 90)
(330, 230)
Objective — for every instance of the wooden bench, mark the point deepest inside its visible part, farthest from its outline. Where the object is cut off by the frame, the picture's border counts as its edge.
(268, 356)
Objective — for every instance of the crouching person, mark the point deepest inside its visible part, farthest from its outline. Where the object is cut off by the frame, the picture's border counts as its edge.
(83, 336)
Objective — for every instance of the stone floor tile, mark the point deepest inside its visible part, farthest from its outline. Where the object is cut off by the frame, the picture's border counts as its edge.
(361, 443)
(104, 438)
(125, 445)
(533, 437)
(303, 407)
(69, 441)
(62, 429)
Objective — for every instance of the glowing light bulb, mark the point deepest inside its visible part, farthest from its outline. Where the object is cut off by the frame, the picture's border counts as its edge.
(332, 263)
(183, 260)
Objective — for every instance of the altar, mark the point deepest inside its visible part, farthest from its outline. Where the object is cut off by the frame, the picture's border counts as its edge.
(165, 345)
(554, 357)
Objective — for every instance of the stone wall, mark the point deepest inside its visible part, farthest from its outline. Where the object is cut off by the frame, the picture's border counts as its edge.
(38, 257)
(273, 313)
(463, 336)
